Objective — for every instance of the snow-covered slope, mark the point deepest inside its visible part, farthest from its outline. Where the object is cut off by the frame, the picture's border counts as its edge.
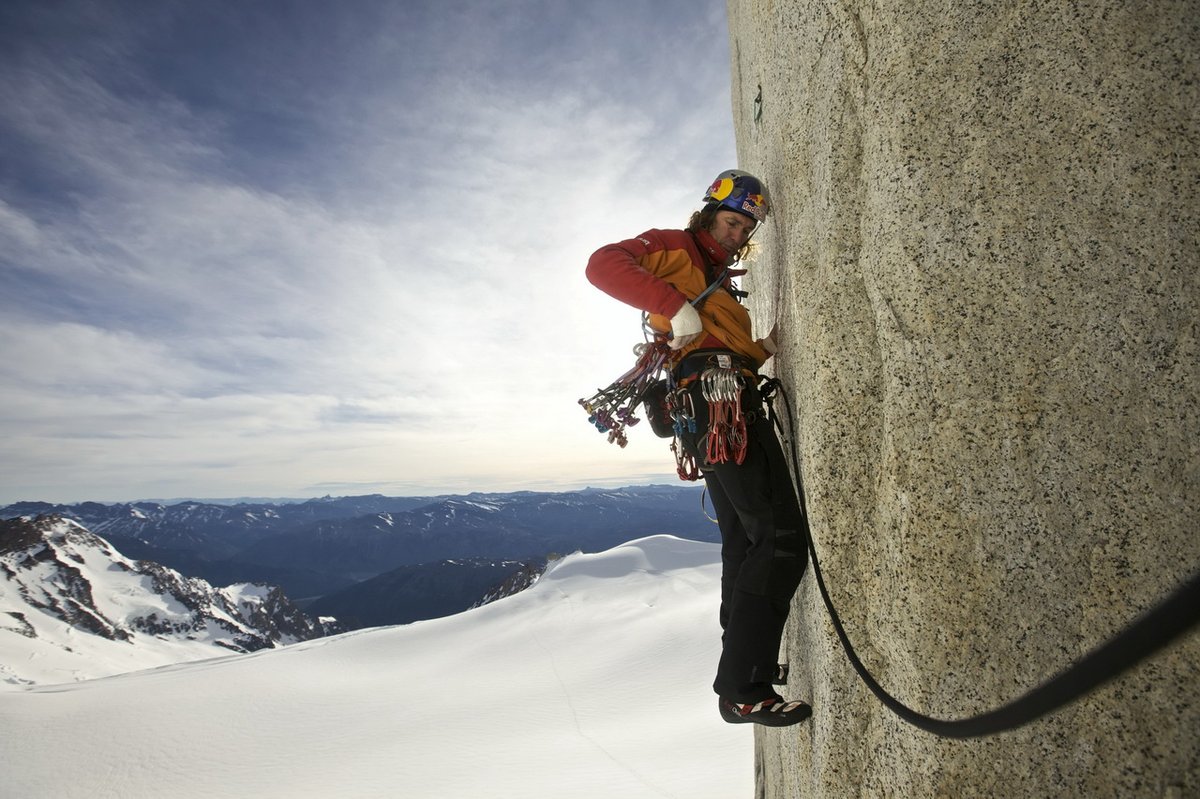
(592, 683)
(73, 608)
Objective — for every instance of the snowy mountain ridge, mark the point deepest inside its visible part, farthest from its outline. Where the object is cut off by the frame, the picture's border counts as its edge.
(515, 583)
(72, 607)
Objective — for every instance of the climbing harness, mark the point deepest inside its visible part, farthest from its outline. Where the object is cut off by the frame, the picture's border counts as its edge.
(725, 439)
(1176, 615)
(718, 378)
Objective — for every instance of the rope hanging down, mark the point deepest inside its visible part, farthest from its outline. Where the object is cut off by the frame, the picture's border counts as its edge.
(1171, 619)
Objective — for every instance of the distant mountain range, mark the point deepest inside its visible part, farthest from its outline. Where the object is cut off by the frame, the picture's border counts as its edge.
(374, 560)
(426, 591)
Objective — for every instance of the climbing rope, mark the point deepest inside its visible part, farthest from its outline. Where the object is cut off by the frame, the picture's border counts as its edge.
(1156, 629)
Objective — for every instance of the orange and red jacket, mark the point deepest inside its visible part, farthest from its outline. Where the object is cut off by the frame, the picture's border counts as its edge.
(660, 270)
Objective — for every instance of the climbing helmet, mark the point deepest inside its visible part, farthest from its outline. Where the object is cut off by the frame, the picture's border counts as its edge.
(741, 192)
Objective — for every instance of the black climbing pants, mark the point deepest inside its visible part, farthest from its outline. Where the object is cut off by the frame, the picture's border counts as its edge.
(763, 551)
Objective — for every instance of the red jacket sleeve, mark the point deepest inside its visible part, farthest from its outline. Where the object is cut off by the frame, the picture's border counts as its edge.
(616, 269)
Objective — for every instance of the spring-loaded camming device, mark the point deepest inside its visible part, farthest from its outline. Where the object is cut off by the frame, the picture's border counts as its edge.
(611, 409)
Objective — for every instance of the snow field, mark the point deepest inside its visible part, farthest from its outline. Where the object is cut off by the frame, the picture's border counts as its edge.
(595, 682)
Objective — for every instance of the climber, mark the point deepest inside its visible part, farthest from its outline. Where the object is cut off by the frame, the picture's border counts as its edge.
(683, 279)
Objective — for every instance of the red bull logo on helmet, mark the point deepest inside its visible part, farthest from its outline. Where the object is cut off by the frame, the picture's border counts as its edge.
(739, 192)
(720, 189)
(756, 206)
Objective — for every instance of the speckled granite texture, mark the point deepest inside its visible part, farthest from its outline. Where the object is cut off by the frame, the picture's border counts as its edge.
(985, 260)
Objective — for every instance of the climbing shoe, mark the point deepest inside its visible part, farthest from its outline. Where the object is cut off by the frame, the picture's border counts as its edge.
(773, 712)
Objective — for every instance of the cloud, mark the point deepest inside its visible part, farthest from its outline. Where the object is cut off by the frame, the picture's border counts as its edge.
(345, 248)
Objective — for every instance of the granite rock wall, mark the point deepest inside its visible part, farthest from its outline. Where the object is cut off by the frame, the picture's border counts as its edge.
(985, 261)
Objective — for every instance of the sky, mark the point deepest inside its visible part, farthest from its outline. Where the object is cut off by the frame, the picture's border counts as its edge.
(294, 249)
(595, 682)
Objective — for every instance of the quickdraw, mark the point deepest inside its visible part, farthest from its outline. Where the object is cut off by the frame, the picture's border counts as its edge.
(727, 439)
(684, 414)
(611, 409)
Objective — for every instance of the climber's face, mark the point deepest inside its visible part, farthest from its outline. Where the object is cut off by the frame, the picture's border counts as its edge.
(732, 230)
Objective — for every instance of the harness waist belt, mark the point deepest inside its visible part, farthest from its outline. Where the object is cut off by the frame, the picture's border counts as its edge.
(696, 362)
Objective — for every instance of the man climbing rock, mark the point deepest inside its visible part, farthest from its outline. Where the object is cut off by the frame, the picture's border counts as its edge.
(683, 281)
